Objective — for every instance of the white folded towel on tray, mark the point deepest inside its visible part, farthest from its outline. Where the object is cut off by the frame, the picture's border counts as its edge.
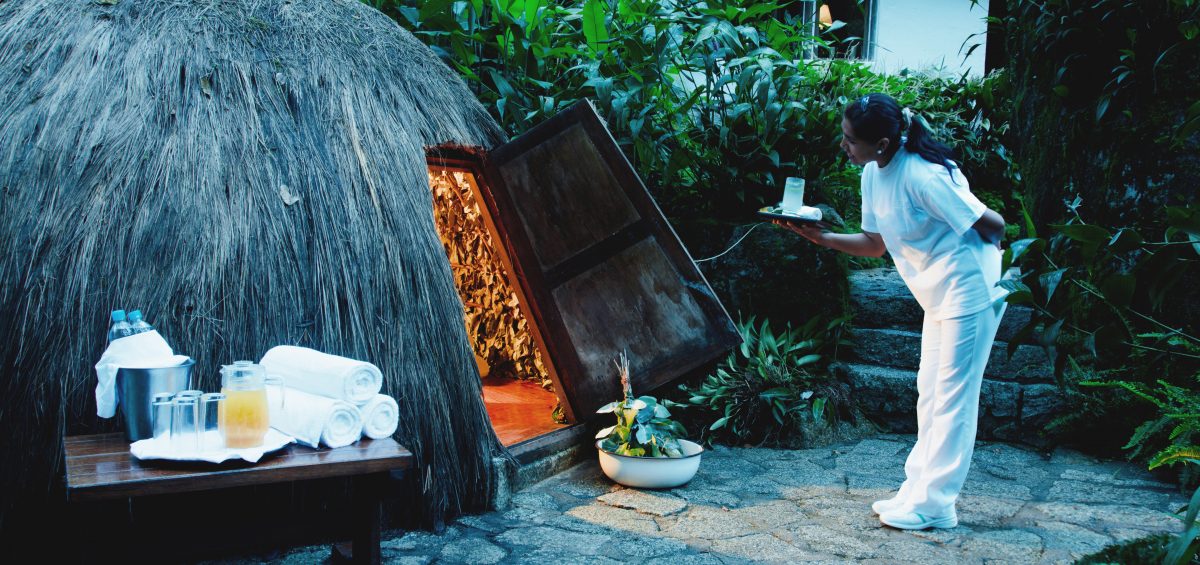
(381, 417)
(323, 374)
(313, 419)
(147, 350)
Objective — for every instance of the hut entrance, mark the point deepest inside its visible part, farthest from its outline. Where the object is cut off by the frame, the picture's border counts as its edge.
(517, 389)
(563, 261)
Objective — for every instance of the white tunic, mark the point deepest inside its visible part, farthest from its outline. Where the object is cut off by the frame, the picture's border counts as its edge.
(924, 215)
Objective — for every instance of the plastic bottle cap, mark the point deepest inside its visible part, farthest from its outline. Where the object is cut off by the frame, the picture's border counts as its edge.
(118, 315)
(135, 315)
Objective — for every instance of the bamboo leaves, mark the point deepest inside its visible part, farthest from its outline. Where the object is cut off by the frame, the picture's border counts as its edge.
(594, 28)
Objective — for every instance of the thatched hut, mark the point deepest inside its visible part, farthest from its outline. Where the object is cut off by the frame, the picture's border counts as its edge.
(258, 173)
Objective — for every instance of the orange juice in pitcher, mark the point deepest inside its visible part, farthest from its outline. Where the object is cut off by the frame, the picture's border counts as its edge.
(243, 416)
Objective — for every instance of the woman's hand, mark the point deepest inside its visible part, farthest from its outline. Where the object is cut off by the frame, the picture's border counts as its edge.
(814, 232)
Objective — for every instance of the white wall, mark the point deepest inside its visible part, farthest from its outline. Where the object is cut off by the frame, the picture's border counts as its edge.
(928, 34)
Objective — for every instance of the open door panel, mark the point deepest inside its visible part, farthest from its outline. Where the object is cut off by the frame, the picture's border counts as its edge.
(605, 271)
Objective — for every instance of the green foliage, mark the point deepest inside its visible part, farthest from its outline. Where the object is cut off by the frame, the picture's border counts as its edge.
(644, 426)
(1103, 310)
(772, 383)
(715, 103)
(1105, 104)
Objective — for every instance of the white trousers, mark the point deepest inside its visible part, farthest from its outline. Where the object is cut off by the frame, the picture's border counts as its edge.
(954, 353)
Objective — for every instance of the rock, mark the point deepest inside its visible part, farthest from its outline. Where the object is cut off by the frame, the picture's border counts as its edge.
(879, 299)
(773, 514)
(1108, 517)
(538, 500)
(472, 550)
(1079, 491)
(1135, 478)
(1015, 318)
(638, 548)
(759, 276)
(902, 348)
(616, 519)
(687, 559)
(1018, 546)
(887, 394)
(397, 560)
(554, 540)
(647, 502)
(481, 523)
(709, 496)
(821, 539)
(421, 540)
(1075, 540)
(986, 511)
(763, 547)
(1039, 405)
(805, 474)
(708, 523)
(881, 448)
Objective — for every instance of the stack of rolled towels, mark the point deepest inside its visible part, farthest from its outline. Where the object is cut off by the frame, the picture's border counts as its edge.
(326, 399)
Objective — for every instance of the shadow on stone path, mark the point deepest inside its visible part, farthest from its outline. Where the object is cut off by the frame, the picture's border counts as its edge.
(801, 506)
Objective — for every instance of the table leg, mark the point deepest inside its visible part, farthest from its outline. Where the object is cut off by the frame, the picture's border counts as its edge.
(368, 509)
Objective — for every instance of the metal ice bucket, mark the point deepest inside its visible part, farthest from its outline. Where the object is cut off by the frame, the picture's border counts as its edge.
(136, 388)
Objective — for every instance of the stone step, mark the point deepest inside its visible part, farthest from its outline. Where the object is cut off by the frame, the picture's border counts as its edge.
(880, 299)
(1007, 410)
(902, 348)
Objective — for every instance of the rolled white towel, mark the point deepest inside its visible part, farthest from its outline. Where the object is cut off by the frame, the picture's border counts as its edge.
(310, 370)
(313, 419)
(381, 417)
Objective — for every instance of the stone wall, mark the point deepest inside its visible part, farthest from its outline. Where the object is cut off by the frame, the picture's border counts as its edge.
(1018, 396)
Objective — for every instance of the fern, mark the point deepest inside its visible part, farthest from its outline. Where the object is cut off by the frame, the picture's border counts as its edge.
(1175, 454)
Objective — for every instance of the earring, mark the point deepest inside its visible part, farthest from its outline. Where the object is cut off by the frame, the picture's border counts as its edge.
(879, 152)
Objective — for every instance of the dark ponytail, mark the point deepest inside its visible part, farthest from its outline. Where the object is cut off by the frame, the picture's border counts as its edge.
(876, 116)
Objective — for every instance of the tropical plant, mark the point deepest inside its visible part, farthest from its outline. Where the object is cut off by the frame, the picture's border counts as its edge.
(1103, 310)
(774, 382)
(644, 426)
(1104, 104)
(714, 102)
(1183, 547)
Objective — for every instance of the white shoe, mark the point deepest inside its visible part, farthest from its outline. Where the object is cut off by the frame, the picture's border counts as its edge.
(914, 521)
(886, 505)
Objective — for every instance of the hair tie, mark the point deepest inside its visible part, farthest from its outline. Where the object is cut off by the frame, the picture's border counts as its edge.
(862, 102)
(907, 115)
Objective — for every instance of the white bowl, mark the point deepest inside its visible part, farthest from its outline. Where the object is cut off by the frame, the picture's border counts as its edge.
(652, 472)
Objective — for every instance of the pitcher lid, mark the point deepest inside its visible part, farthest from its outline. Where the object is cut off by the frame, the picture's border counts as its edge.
(241, 370)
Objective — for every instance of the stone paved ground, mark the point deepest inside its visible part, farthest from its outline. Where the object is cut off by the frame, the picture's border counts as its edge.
(807, 506)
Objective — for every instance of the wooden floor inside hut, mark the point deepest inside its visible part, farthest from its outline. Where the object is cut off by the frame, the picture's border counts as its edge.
(519, 410)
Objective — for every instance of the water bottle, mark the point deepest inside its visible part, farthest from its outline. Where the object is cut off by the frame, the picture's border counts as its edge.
(119, 328)
(137, 324)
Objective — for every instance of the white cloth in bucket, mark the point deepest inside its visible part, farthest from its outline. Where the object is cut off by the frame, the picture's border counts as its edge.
(323, 374)
(147, 350)
(313, 419)
(381, 417)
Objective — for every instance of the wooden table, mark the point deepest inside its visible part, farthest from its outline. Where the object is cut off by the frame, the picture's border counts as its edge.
(100, 467)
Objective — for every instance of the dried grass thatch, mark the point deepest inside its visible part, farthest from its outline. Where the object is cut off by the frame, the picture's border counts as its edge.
(151, 153)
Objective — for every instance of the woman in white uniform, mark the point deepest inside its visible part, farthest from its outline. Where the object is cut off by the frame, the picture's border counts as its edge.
(917, 206)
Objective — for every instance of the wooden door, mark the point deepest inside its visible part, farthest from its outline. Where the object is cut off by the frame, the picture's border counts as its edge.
(603, 268)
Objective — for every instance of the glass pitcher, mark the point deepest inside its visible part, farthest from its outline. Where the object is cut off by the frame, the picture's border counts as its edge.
(244, 416)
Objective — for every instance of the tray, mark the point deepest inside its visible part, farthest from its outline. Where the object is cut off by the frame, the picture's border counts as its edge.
(777, 213)
(160, 449)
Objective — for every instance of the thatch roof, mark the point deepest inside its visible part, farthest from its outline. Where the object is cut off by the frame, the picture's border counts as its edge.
(149, 153)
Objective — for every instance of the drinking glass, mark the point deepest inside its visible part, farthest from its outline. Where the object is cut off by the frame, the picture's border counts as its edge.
(184, 419)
